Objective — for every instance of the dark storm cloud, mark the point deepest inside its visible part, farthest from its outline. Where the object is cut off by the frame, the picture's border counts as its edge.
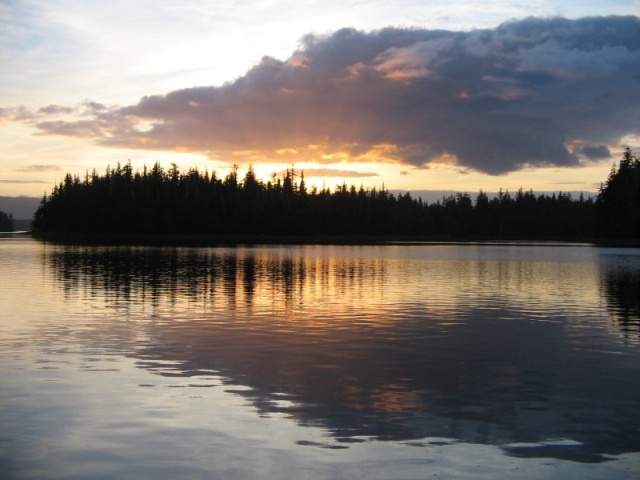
(530, 92)
(596, 152)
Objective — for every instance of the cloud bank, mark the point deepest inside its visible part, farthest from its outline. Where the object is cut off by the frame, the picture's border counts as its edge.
(533, 92)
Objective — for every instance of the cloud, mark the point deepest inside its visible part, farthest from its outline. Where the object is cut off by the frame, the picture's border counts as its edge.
(13, 114)
(22, 181)
(596, 152)
(336, 173)
(39, 168)
(48, 119)
(494, 100)
(55, 110)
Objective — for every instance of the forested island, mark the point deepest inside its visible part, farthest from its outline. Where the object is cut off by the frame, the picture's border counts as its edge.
(169, 202)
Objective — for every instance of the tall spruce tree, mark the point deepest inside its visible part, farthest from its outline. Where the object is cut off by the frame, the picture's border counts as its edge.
(618, 203)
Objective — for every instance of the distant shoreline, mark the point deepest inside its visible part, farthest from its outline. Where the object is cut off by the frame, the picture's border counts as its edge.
(203, 240)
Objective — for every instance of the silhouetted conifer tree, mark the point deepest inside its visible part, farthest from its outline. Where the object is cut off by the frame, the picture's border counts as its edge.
(6, 222)
(618, 203)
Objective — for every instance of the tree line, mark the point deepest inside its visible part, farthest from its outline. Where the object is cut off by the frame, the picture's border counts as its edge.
(159, 201)
(6, 222)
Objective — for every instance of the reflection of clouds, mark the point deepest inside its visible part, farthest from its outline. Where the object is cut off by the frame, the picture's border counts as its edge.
(363, 341)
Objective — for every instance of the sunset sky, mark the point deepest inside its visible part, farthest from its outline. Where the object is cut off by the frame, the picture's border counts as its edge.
(415, 95)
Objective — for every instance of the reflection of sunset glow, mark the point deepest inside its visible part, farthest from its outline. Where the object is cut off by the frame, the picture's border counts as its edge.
(397, 398)
(303, 285)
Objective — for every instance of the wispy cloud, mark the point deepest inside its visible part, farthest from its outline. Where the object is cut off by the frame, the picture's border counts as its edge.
(335, 173)
(39, 168)
(55, 110)
(9, 181)
(528, 93)
(13, 114)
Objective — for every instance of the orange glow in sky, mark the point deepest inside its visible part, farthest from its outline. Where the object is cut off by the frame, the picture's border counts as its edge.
(370, 94)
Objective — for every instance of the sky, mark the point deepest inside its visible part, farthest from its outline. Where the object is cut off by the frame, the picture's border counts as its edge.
(410, 95)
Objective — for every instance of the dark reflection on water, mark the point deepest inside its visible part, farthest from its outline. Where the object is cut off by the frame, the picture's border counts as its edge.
(375, 343)
(621, 289)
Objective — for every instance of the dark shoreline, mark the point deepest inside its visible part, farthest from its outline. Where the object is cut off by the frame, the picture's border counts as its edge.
(201, 240)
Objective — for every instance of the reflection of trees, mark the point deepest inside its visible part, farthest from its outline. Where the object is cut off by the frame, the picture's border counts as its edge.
(321, 339)
(213, 277)
(622, 291)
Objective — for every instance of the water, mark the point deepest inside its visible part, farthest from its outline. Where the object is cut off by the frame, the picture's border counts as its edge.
(394, 362)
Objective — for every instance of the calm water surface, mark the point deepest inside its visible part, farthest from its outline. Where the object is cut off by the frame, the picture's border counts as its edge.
(390, 362)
